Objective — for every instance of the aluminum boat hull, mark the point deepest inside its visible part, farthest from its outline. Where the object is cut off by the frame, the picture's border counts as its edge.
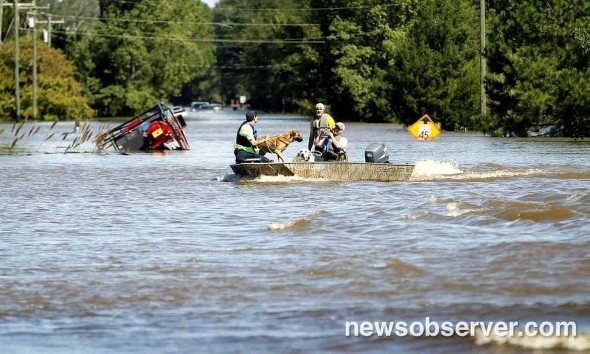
(336, 171)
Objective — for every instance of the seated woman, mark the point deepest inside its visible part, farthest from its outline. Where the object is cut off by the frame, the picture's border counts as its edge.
(333, 145)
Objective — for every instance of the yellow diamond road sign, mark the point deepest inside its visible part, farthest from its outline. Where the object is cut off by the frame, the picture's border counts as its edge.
(424, 129)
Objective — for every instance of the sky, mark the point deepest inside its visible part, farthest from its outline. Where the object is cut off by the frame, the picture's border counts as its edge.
(210, 3)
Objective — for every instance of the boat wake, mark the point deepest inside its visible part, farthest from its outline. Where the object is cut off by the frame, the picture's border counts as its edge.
(444, 170)
(291, 224)
(298, 223)
(429, 169)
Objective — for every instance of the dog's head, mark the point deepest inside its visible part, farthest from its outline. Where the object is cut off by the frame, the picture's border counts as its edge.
(304, 155)
(295, 136)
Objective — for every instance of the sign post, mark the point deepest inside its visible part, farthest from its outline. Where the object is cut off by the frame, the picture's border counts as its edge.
(424, 129)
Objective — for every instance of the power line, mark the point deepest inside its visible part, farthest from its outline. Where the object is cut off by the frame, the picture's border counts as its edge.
(360, 7)
(203, 40)
(226, 24)
(217, 8)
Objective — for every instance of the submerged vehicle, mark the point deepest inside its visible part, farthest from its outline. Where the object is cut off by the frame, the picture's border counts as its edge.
(205, 106)
(196, 105)
(375, 168)
(158, 128)
(216, 107)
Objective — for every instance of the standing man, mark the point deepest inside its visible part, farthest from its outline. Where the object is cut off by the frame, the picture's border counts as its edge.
(321, 124)
(245, 148)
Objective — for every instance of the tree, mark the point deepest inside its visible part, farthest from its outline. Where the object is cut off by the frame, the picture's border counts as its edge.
(435, 68)
(362, 39)
(59, 94)
(143, 52)
(370, 60)
(267, 53)
(78, 15)
(539, 65)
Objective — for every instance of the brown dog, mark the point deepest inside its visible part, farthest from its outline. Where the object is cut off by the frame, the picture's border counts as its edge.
(276, 144)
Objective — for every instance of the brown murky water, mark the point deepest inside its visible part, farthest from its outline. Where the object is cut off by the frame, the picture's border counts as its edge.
(171, 253)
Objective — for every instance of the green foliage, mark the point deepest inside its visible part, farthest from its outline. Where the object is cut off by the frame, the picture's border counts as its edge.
(143, 51)
(59, 95)
(372, 60)
(267, 51)
(435, 69)
(368, 60)
(358, 42)
(539, 56)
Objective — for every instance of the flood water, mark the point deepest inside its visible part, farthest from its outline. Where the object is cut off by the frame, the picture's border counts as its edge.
(154, 253)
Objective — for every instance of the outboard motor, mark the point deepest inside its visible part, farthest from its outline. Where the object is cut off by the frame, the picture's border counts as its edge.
(376, 152)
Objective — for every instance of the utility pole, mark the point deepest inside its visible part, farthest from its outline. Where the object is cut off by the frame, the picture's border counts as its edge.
(7, 4)
(15, 6)
(16, 59)
(49, 22)
(49, 30)
(32, 23)
(1, 13)
(34, 70)
(482, 58)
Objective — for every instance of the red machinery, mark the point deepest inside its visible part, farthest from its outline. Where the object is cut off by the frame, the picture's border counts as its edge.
(159, 128)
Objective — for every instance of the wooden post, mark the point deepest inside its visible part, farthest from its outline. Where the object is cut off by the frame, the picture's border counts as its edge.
(16, 60)
(482, 58)
(34, 67)
(1, 14)
(49, 30)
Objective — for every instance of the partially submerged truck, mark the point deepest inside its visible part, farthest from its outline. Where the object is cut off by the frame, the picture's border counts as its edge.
(158, 128)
